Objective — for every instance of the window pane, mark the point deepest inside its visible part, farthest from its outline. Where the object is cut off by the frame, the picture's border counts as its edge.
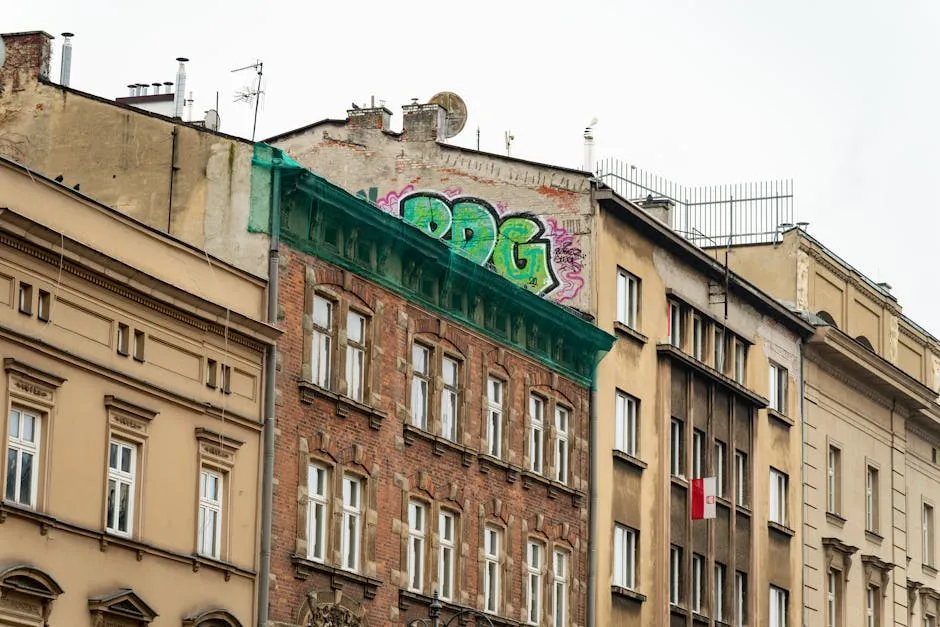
(419, 359)
(355, 328)
(112, 490)
(113, 456)
(125, 459)
(322, 312)
(14, 424)
(124, 507)
(26, 479)
(11, 475)
(29, 428)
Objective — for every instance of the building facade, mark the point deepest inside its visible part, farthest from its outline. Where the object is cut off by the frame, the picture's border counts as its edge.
(132, 405)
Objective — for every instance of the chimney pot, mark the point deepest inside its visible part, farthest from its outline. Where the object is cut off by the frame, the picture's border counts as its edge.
(659, 208)
(424, 122)
(371, 118)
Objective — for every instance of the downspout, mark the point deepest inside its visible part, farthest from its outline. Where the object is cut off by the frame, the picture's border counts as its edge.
(803, 479)
(592, 507)
(173, 169)
(267, 473)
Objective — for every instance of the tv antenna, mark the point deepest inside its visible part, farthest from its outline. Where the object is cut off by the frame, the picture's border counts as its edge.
(249, 95)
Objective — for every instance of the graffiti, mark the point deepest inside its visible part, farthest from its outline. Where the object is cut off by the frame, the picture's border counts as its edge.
(539, 255)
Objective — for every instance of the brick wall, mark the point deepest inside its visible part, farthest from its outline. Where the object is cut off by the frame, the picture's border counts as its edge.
(27, 59)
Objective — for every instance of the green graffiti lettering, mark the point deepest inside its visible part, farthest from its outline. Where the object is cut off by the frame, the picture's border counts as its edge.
(428, 213)
(520, 260)
(473, 233)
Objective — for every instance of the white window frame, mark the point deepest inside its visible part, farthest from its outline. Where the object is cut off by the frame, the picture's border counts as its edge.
(740, 478)
(698, 337)
(562, 451)
(719, 349)
(321, 353)
(927, 533)
(533, 566)
(210, 545)
(450, 397)
(318, 511)
(676, 465)
(930, 620)
(720, 454)
(719, 601)
(351, 531)
(778, 607)
(698, 582)
(871, 606)
(832, 592)
(19, 448)
(560, 589)
(492, 546)
(740, 361)
(778, 497)
(625, 557)
(675, 567)
(628, 298)
(356, 354)
(120, 478)
(777, 388)
(446, 563)
(625, 423)
(417, 535)
(420, 385)
(740, 599)
(536, 433)
(833, 466)
(698, 454)
(675, 324)
(495, 391)
(871, 498)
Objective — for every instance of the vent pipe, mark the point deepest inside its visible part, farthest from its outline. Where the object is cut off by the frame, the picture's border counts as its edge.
(143, 89)
(156, 88)
(180, 100)
(66, 70)
(131, 89)
(588, 165)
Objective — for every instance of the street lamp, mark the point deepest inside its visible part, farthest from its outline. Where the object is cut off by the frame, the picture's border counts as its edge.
(434, 616)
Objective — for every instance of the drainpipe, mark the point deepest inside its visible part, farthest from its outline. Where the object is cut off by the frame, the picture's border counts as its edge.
(592, 507)
(803, 478)
(267, 477)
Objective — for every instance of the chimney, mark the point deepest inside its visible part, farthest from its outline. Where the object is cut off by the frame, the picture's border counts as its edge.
(659, 208)
(423, 122)
(588, 165)
(373, 117)
(27, 58)
(156, 88)
(180, 99)
(65, 71)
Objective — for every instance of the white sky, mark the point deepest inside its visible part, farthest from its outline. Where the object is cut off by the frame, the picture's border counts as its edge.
(842, 96)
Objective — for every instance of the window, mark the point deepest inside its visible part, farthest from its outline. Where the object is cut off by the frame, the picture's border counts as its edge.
(533, 582)
(210, 514)
(698, 337)
(317, 512)
(624, 557)
(560, 590)
(740, 599)
(719, 350)
(871, 606)
(930, 621)
(927, 526)
(675, 566)
(449, 397)
(26, 298)
(834, 472)
(871, 499)
(698, 453)
(123, 339)
(122, 473)
(675, 324)
(740, 361)
(777, 388)
(719, 607)
(676, 448)
(352, 513)
(44, 308)
(625, 423)
(447, 530)
(139, 339)
(416, 535)
(719, 465)
(778, 497)
(226, 379)
(491, 551)
(740, 478)
(628, 298)
(355, 355)
(536, 423)
(698, 581)
(833, 598)
(421, 374)
(212, 373)
(778, 607)
(562, 416)
(23, 457)
(322, 340)
(494, 419)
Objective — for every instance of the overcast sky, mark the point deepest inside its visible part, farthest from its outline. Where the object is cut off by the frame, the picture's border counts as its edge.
(841, 96)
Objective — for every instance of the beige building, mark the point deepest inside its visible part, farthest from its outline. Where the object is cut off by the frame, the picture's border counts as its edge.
(132, 383)
(871, 479)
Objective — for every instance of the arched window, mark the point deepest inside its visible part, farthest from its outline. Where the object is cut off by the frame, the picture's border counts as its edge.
(864, 341)
(827, 318)
(23, 586)
(212, 618)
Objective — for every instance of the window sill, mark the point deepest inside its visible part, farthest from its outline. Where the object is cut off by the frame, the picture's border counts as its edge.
(630, 460)
(439, 444)
(304, 568)
(835, 519)
(407, 598)
(723, 502)
(700, 619)
(677, 610)
(744, 510)
(679, 481)
(630, 333)
(781, 529)
(716, 377)
(874, 537)
(929, 570)
(779, 417)
(553, 487)
(628, 593)
(309, 392)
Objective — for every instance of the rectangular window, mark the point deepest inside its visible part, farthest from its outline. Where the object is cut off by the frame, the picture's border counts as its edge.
(533, 582)
(226, 379)
(122, 475)
(322, 339)
(421, 374)
(562, 416)
(317, 512)
(698, 581)
(777, 388)
(355, 355)
(210, 514)
(212, 373)
(536, 426)
(23, 457)
(44, 307)
(416, 535)
(625, 423)
(698, 337)
(139, 339)
(26, 298)
(719, 467)
(927, 526)
(871, 606)
(628, 298)
(492, 538)
(675, 567)
(560, 590)
(778, 497)
(352, 514)
(449, 399)
(871, 499)
(740, 478)
(698, 453)
(447, 530)
(930, 621)
(676, 448)
(123, 339)
(494, 417)
(719, 346)
(834, 471)
(740, 361)
(779, 599)
(719, 584)
(675, 324)
(832, 599)
(624, 557)
(740, 599)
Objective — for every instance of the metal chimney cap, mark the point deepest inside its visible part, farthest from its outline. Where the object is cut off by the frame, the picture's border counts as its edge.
(182, 59)
(132, 85)
(68, 34)
(168, 82)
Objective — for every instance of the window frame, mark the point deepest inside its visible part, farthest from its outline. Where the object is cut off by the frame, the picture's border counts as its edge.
(740, 361)
(779, 611)
(207, 505)
(719, 456)
(677, 448)
(872, 494)
(720, 586)
(356, 381)
(321, 341)
(741, 478)
(698, 336)
(928, 534)
(628, 299)
(675, 574)
(562, 450)
(450, 391)
(698, 454)
(417, 541)
(418, 378)
(625, 557)
(698, 583)
(317, 528)
(351, 512)
(834, 480)
(740, 598)
(560, 587)
(494, 416)
(491, 569)
(536, 433)
(778, 508)
(626, 416)
(120, 477)
(777, 387)
(674, 323)
(446, 545)
(535, 551)
(719, 350)
(23, 447)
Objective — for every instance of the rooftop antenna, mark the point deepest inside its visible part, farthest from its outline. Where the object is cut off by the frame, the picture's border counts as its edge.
(252, 96)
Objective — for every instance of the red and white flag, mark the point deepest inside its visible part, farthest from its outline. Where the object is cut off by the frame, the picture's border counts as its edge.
(703, 497)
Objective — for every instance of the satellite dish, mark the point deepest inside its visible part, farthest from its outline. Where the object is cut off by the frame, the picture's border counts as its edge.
(213, 120)
(456, 111)
(3, 52)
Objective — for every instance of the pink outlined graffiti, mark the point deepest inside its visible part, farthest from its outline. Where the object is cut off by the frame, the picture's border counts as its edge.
(567, 259)
(389, 202)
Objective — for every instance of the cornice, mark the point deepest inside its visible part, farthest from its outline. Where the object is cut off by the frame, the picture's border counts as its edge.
(849, 276)
(906, 330)
(839, 374)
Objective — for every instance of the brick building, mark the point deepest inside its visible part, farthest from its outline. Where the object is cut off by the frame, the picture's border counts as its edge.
(433, 427)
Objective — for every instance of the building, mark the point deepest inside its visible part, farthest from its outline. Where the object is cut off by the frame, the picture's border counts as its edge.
(132, 371)
(685, 392)
(872, 430)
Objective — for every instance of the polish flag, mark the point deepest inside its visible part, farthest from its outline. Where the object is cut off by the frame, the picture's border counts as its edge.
(703, 497)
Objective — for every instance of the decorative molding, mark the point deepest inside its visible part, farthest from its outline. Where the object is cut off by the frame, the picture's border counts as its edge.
(32, 382)
(838, 555)
(851, 277)
(877, 572)
(912, 588)
(304, 569)
(120, 406)
(309, 392)
(123, 605)
(218, 447)
(216, 617)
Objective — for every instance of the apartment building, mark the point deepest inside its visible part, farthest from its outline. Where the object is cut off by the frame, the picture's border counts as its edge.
(131, 386)
(872, 379)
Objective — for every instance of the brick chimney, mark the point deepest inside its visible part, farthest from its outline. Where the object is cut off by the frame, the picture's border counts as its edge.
(373, 117)
(423, 122)
(27, 59)
(659, 208)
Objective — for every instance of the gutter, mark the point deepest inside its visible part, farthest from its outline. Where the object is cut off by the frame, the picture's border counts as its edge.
(267, 473)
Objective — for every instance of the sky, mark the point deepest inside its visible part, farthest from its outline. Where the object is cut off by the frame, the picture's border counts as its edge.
(841, 96)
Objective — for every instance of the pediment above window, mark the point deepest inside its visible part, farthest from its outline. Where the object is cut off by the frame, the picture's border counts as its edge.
(27, 594)
(211, 618)
(120, 608)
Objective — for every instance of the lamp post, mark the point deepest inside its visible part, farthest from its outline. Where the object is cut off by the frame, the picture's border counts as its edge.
(434, 616)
